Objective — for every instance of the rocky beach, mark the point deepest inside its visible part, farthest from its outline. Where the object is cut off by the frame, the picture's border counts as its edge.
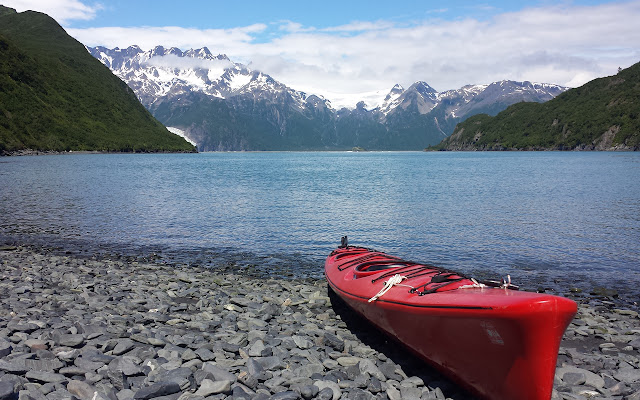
(115, 329)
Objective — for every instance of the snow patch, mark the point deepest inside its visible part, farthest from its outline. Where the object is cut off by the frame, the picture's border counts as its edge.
(239, 80)
(180, 133)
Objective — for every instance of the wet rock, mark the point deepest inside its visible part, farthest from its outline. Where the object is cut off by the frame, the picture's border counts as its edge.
(604, 292)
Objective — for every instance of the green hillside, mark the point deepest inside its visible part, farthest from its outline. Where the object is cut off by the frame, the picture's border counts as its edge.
(600, 115)
(55, 96)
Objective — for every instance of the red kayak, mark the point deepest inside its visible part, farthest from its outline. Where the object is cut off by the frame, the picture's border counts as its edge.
(500, 343)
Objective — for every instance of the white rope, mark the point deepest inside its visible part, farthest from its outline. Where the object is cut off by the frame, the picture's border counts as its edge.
(393, 281)
(475, 284)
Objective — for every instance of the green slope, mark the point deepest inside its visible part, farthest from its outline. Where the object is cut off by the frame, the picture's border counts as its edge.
(600, 115)
(55, 96)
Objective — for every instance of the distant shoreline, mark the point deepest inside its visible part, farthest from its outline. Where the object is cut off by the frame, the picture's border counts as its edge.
(31, 152)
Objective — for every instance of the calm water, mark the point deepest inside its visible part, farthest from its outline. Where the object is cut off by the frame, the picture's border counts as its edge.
(550, 218)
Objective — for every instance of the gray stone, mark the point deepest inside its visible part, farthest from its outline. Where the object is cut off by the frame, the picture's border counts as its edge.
(70, 340)
(410, 393)
(80, 389)
(412, 381)
(627, 375)
(219, 374)
(209, 387)
(348, 361)
(13, 367)
(591, 379)
(43, 376)
(248, 380)
(309, 369)
(126, 366)
(359, 394)
(155, 341)
(574, 378)
(22, 327)
(272, 363)
(5, 348)
(36, 344)
(72, 371)
(619, 389)
(330, 385)
(302, 342)
(8, 390)
(59, 394)
(182, 376)
(158, 389)
(205, 354)
(286, 395)
(369, 367)
(389, 370)
(325, 394)
(256, 348)
(123, 346)
(87, 364)
(309, 391)
(240, 394)
(254, 367)
(333, 341)
(374, 385)
(634, 396)
(393, 393)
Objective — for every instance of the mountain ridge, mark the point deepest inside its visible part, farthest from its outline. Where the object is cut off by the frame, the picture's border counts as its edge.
(252, 104)
(603, 114)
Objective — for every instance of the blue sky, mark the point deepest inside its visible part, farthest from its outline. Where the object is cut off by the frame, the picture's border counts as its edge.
(351, 50)
(320, 14)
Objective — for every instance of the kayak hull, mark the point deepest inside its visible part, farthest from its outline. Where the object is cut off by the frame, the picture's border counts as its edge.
(499, 343)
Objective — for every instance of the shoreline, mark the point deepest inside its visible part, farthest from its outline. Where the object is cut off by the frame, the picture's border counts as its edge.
(119, 329)
(32, 152)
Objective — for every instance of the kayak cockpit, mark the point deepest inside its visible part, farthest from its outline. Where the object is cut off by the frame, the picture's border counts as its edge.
(374, 267)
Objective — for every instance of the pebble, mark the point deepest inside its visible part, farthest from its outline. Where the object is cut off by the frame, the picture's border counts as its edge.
(108, 329)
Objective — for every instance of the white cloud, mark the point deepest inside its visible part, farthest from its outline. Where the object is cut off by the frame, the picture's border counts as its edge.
(220, 40)
(564, 44)
(61, 10)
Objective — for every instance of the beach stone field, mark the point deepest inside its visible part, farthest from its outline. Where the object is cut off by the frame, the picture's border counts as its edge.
(81, 328)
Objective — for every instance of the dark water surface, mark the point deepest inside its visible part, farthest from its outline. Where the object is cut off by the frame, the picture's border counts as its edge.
(547, 218)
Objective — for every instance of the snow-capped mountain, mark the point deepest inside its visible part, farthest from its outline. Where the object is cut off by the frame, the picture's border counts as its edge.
(160, 73)
(223, 105)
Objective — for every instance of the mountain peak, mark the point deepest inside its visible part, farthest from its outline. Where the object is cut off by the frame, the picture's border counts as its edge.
(423, 88)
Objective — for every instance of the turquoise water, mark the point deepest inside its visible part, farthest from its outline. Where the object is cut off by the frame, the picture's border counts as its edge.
(569, 219)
